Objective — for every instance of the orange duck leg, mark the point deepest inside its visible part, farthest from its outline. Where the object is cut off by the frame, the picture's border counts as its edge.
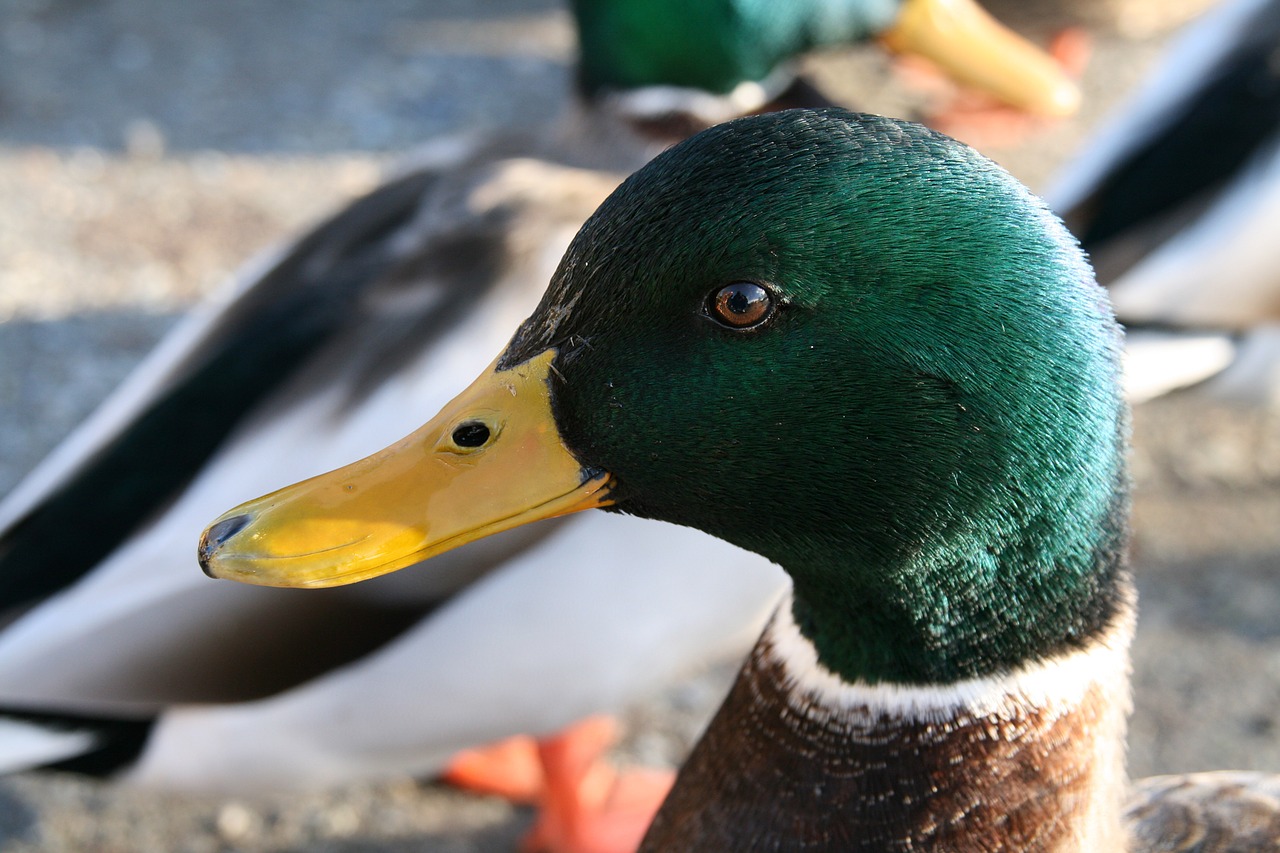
(585, 804)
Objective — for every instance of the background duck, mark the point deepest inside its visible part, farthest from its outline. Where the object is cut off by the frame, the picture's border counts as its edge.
(861, 350)
(437, 261)
(1175, 199)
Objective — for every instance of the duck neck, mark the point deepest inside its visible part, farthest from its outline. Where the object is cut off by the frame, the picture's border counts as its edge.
(1029, 760)
(1019, 585)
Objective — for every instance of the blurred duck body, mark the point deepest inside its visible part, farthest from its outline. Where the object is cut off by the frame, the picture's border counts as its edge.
(1175, 201)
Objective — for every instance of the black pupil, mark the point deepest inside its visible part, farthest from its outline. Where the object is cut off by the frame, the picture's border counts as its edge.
(742, 304)
(740, 298)
(471, 434)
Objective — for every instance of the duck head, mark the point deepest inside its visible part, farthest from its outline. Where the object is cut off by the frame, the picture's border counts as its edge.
(845, 342)
(648, 55)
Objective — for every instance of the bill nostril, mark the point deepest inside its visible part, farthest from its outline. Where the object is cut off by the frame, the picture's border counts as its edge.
(225, 529)
(217, 534)
(471, 434)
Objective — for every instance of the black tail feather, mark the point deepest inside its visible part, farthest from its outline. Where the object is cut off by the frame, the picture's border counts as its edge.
(118, 741)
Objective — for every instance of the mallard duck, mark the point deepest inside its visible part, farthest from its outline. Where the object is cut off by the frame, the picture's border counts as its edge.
(320, 353)
(857, 348)
(1175, 202)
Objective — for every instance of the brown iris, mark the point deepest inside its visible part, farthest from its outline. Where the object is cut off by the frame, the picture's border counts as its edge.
(741, 305)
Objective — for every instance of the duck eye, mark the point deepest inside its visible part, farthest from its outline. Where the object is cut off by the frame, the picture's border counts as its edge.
(471, 434)
(741, 305)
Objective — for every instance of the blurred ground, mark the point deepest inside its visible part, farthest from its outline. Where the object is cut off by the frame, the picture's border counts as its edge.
(148, 147)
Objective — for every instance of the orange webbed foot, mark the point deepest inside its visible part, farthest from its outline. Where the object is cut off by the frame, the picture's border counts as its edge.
(510, 769)
(585, 804)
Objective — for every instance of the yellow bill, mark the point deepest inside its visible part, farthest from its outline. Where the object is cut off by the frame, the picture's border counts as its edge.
(975, 49)
(490, 461)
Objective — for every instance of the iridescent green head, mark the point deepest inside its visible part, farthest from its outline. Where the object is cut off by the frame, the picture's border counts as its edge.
(712, 46)
(920, 419)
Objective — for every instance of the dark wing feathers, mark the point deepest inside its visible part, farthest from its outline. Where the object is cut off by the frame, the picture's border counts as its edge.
(1233, 114)
(248, 353)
